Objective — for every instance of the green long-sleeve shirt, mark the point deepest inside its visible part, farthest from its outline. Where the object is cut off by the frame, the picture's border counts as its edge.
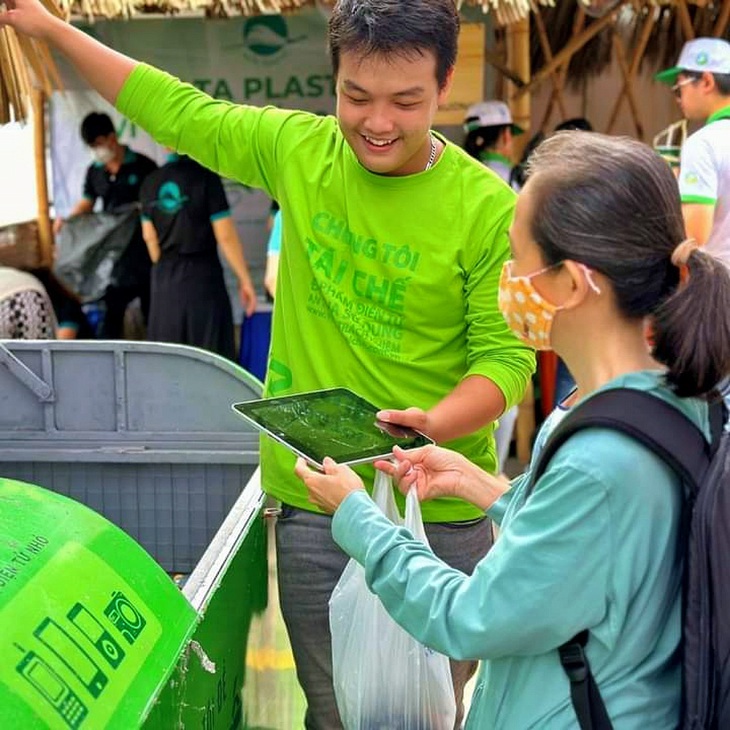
(387, 285)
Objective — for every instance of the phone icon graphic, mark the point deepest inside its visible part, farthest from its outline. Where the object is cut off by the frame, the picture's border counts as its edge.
(125, 617)
(72, 655)
(92, 629)
(53, 689)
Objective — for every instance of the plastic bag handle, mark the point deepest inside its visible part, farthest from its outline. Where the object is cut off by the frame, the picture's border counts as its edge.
(414, 519)
(385, 499)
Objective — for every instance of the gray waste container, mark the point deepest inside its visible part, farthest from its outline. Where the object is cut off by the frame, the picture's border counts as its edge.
(141, 432)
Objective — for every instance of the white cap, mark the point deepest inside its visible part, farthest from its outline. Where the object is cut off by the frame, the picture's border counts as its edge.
(489, 114)
(702, 54)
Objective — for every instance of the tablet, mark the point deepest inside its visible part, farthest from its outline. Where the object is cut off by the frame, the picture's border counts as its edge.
(336, 423)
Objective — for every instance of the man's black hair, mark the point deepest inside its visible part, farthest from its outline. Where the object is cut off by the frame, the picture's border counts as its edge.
(580, 124)
(96, 125)
(402, 28)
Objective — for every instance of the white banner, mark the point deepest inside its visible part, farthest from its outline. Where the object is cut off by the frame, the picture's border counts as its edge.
(268, 59)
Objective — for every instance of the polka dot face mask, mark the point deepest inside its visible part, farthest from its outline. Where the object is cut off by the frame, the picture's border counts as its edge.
(528, 314)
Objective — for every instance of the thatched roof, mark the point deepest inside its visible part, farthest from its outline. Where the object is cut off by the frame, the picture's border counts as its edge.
(505, 10)
(663, 23)
(652, 32)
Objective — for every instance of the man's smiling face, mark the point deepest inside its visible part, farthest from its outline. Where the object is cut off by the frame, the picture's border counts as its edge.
(385, 107)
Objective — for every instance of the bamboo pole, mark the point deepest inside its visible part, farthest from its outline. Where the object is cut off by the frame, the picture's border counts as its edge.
(39, 69)
(11, 64)
(24, 63)
(685, 21)
(626, 72)
(567, 52)
(722, 20)
(639, 52)
(518, 58)
(45, 229)
(578, 24)
(557, 95)
(504, 69)
(4, 106)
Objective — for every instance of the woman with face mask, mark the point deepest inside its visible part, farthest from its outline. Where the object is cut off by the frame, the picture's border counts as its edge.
(598, 251)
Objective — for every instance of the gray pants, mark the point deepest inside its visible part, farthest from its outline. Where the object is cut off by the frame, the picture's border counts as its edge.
(309, 564)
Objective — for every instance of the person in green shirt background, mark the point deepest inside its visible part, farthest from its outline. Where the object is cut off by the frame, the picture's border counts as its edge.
(393, 244)
(598, 246)
(489, 134)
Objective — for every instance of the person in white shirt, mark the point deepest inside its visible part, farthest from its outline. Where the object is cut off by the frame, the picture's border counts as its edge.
(701, 83)
(489, 132)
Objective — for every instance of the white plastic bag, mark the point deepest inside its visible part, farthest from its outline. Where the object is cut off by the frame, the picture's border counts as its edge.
(383, 678)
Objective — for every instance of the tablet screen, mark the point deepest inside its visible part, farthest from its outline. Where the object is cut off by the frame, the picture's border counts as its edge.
(335, 423)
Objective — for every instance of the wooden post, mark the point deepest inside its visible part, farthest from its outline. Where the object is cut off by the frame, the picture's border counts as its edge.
(628, 83)
(566, 53)
(685, 21)
(45, 230)
(722, 20)
(639, 51)
(518, 59)
(557, 95)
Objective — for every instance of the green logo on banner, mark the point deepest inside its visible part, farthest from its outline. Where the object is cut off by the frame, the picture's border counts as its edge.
(266, 36)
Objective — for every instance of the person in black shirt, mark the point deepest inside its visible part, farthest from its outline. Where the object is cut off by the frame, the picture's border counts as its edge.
(185, 217)
(116, 177)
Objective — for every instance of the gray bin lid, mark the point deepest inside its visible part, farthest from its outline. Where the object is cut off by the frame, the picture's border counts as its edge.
(122, 401)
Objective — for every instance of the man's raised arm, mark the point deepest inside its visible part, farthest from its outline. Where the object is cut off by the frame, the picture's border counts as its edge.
(104, 69)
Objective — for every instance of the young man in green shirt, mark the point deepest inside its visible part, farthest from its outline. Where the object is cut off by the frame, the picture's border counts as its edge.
(393, 244)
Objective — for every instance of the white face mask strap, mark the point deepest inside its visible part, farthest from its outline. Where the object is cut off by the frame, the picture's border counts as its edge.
(586, 271)
(589, 278)
(528, 277)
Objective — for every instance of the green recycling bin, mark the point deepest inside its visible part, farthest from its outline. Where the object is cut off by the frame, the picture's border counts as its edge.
(94, 634)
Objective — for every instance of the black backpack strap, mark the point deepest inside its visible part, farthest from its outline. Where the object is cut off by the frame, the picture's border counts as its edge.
(678, 442)
(650, 420)
(586, 698)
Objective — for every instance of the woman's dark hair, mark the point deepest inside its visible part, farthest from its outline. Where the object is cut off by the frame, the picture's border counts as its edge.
(96, 125)
(484, 138)
(613, 204)
(402, 28)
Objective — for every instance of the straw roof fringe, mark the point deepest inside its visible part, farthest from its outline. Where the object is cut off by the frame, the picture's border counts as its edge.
(506, 11)
(662, 49)
(24, 64)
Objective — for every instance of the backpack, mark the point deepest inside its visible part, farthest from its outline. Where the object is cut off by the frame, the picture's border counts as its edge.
(705, 471)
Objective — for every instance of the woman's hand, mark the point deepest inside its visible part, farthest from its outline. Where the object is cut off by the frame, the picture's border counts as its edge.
(439, 472)
(329, 489)
(435, 471)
